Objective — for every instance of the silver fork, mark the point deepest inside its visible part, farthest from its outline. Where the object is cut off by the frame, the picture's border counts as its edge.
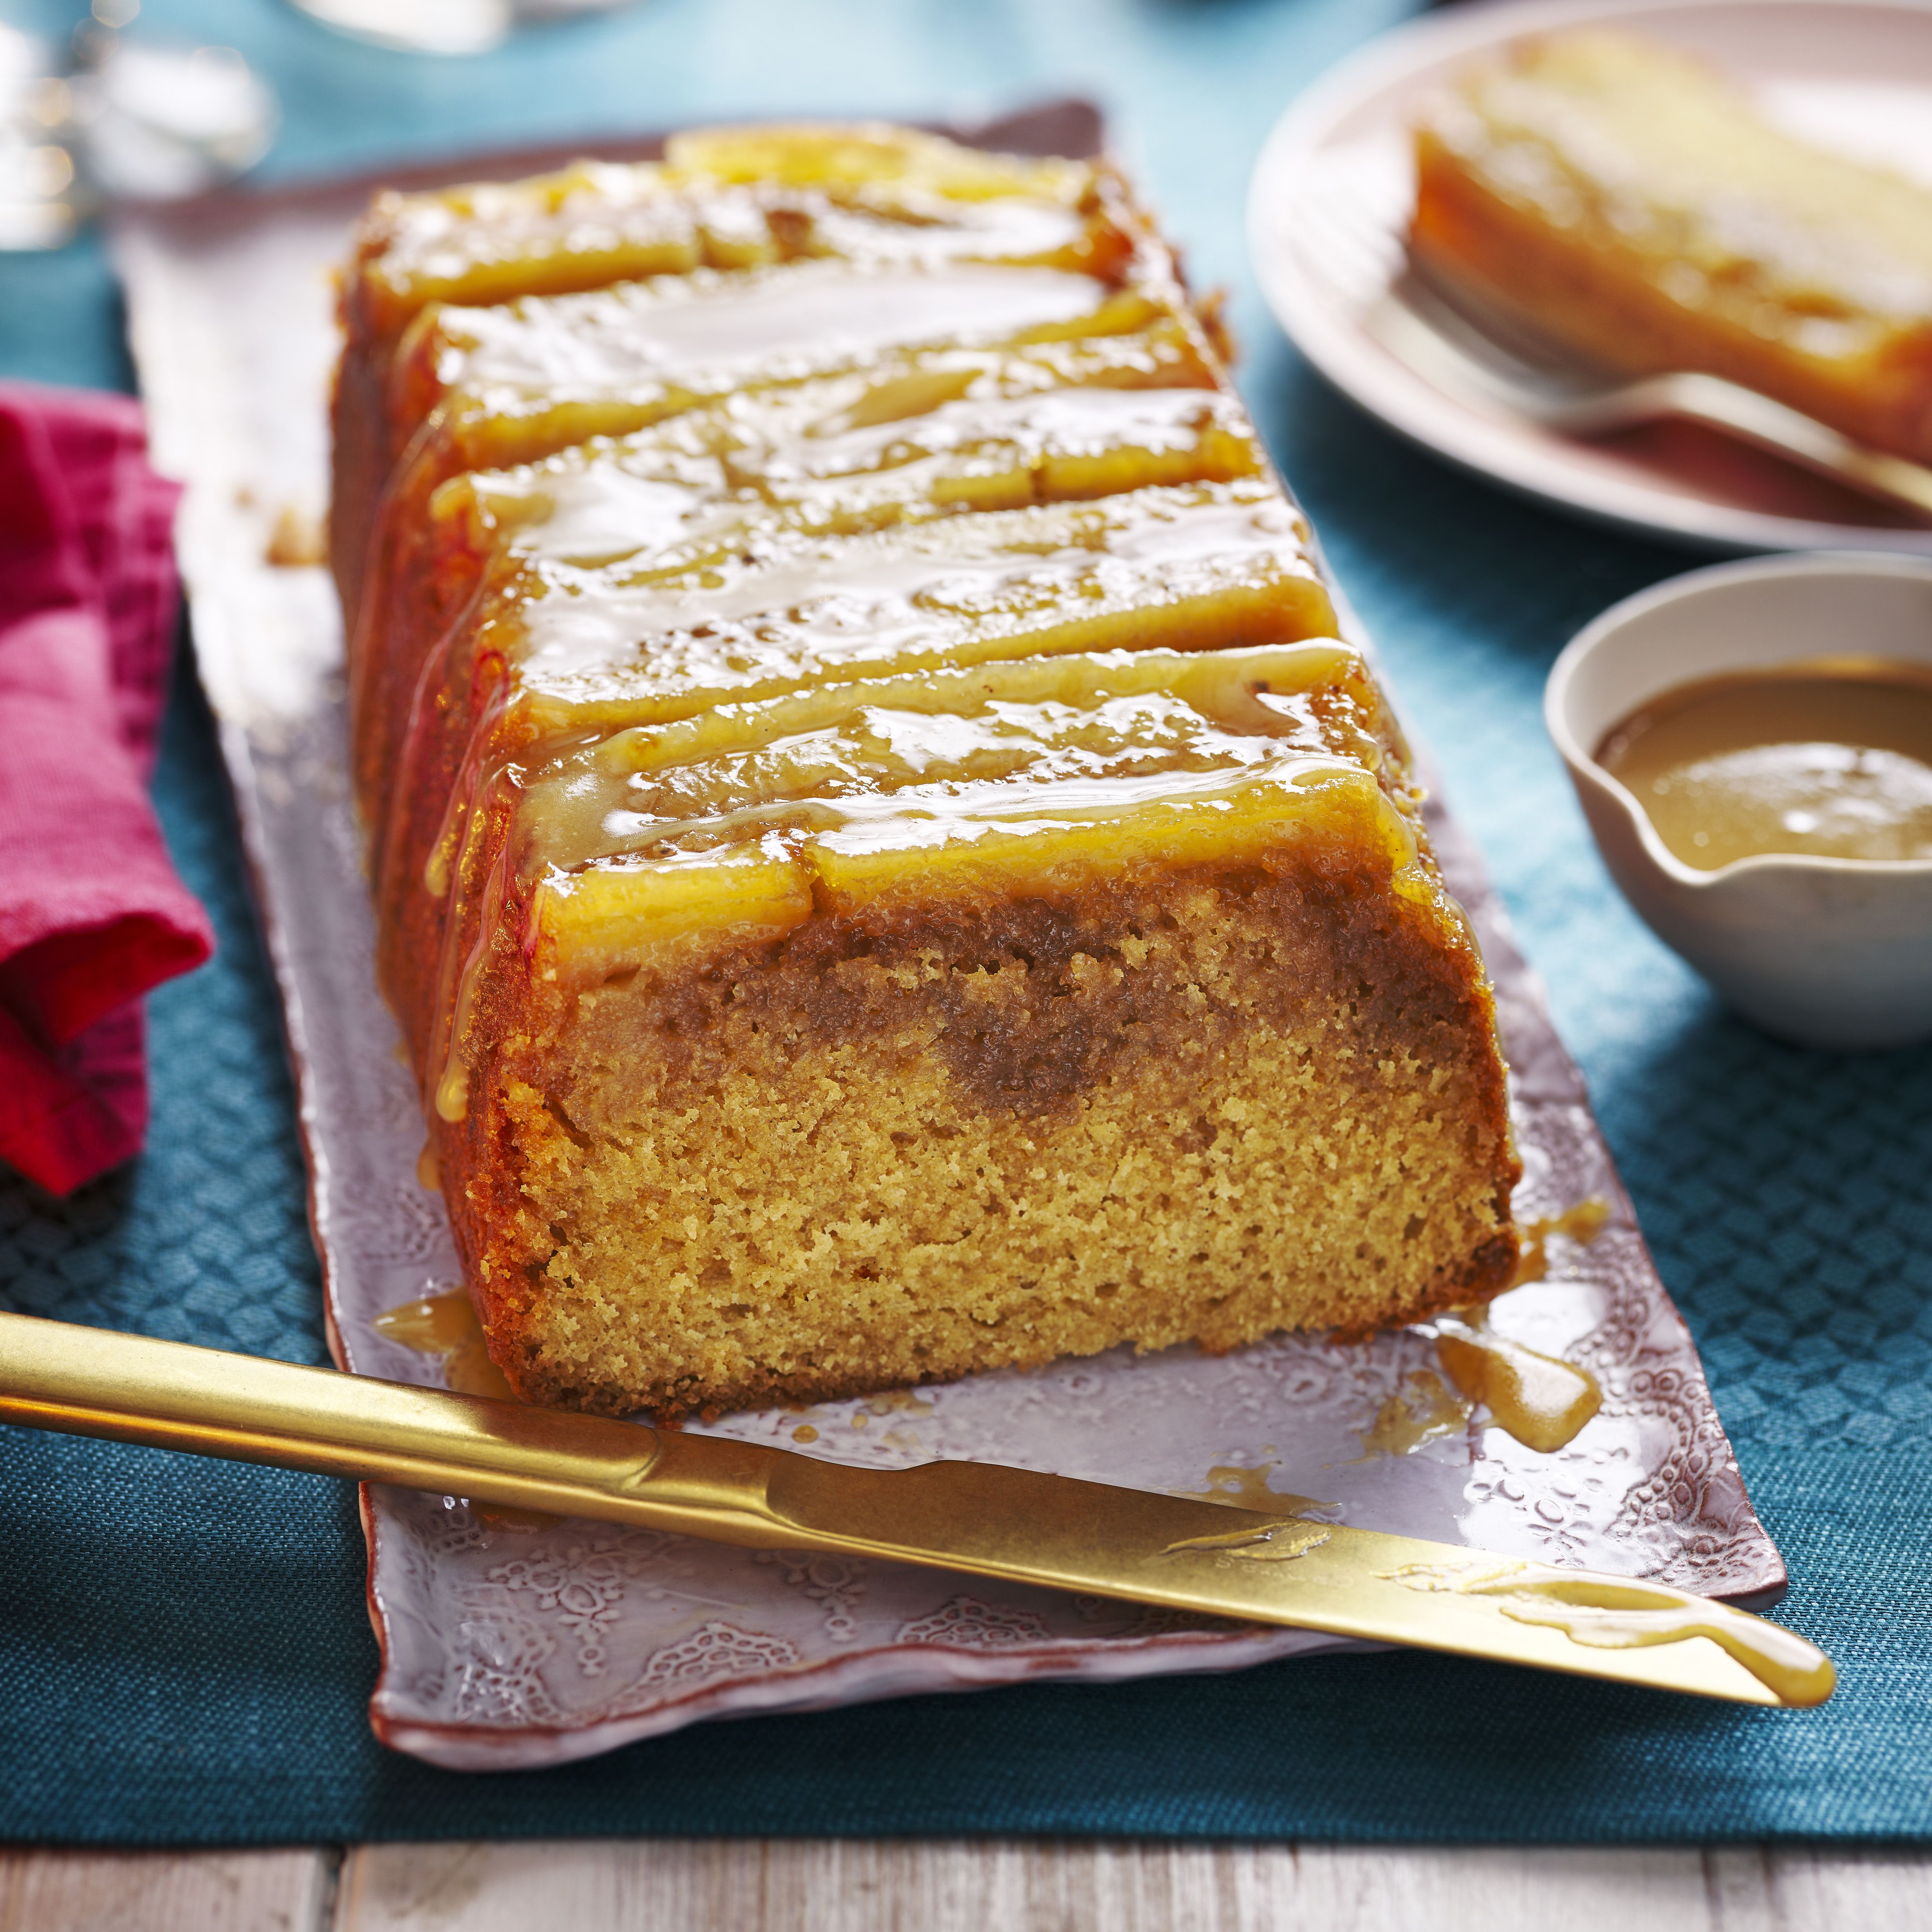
(1478, 353)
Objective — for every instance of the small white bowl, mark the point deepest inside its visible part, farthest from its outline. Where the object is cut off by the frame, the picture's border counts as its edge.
(1833, 952)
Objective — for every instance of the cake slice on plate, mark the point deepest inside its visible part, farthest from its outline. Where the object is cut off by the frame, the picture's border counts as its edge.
(1627, 199)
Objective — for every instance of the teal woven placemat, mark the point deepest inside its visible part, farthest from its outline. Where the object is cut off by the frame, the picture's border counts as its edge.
(183, 1655)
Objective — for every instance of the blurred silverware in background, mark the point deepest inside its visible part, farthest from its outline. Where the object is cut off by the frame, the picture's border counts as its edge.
(1475, 352)
(445, 26)
(113, 118)
(1442, 334)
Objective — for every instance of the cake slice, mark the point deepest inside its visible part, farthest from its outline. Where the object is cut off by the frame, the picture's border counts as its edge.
(882, 863)
(896, 1030)
(1624, 197)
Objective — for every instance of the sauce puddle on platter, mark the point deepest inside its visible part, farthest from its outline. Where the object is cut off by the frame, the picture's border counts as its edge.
(445, 1325)
(1581, 1224)
(1541, 1400)
(1422, 1410)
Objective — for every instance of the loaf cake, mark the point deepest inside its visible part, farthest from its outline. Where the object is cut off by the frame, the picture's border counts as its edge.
(883, 864)
(1633, 204)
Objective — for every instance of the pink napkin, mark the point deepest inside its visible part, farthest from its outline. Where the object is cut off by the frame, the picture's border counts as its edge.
(92, 912)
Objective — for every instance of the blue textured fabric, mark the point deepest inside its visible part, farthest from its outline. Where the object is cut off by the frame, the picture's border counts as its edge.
(184, 1654)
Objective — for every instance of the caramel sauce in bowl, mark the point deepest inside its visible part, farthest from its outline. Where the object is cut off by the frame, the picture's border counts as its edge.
(1752, 746)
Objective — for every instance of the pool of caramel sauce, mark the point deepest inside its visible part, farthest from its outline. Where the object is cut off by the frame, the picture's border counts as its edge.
(445, 1325)
(1830, 756)
(1541, 1400)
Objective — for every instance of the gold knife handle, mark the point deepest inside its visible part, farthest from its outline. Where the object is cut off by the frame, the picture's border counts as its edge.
(132, 1388)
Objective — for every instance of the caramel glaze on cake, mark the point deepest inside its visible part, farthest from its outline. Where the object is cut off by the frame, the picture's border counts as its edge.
(884, 866)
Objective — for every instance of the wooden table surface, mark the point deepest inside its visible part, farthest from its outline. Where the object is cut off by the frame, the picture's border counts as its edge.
(821, 1885)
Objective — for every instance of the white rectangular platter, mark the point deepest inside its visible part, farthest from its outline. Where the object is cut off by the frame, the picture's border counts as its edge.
(506, 1648)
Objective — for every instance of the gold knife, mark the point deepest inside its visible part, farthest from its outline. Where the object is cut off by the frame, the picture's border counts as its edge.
(982, 1518)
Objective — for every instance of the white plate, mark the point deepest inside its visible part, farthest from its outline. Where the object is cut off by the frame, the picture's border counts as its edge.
(504, 1649)
(1331, 197)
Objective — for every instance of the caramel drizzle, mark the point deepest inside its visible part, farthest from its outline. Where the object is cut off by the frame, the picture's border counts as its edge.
(459, 970)
(1280, 1542)
(1245, 1486)
(1609, 1613)
(1422, 1410)
(1542, 1401)
(1581, 1224)
(446, 1326)
(451, 1097)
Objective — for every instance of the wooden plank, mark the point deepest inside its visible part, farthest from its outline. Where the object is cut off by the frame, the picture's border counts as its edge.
(167, 1891)
(831, 1885)
(694, 1886)
(746, 1886)
(1500, 1889)
(1850, 1891)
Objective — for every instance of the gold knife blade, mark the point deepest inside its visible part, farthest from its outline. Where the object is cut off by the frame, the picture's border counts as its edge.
(983, 1518)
